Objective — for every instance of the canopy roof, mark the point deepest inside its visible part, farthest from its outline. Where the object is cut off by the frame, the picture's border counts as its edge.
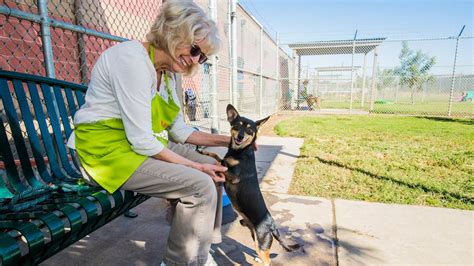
(335, 47)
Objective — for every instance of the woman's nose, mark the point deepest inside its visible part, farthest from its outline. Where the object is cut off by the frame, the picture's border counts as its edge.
(194, 59)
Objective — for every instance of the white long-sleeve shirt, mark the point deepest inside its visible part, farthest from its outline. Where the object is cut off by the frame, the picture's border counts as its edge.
(123, 84)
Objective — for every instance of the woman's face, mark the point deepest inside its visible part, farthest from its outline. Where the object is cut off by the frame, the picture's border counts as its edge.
(184, 58)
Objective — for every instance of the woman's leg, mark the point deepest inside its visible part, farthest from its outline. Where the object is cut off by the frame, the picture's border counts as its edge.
(197, 157)
(192, 228)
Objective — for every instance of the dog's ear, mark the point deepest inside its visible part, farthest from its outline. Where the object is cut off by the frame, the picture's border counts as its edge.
(261, 121)
(231, 113)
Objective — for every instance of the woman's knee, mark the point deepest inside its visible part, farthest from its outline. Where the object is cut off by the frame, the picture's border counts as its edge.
(205, 189)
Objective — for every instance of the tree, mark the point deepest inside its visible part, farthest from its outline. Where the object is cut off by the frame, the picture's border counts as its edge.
(414, 69)
(385, 79)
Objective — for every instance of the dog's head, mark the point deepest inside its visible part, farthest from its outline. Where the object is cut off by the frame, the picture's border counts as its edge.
(243, 130)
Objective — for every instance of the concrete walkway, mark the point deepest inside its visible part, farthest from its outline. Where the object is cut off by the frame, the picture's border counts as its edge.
(333, 232)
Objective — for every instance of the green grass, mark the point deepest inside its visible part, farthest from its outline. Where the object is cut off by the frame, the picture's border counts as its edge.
(407, 160)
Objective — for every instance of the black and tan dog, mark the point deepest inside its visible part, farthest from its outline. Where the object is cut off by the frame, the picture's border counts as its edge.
(242, 187)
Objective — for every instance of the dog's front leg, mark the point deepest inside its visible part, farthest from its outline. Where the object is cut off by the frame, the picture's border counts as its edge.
(211, 154)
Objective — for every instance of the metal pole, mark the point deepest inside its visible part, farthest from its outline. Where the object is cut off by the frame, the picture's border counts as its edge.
(58, 24)
(229, 43)
(295, 79)
(374, 73)
(277, 76)
(47, 48)
(260, 93)
(46, 38)
(299, 82)
(352, 71)
(213, 93)
(233, 22)
(362, 101)
(451, 94)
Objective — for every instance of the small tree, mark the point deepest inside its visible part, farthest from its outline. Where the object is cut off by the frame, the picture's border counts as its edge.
(385, 79)
(414, 69)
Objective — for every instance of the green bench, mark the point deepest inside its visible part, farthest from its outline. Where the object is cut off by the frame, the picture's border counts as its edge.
(44, 204)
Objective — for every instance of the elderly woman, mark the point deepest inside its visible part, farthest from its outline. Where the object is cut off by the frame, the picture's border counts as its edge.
(130, 132)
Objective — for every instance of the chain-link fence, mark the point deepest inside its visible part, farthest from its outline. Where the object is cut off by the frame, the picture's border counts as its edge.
(430, 77)
(63, 39)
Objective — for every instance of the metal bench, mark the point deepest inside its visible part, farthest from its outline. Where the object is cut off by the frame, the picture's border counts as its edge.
(44, 206)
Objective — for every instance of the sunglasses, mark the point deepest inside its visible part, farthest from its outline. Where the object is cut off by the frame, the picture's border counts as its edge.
(195, 51)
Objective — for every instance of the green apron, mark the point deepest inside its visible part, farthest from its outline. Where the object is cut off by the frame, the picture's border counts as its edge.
(104, 150)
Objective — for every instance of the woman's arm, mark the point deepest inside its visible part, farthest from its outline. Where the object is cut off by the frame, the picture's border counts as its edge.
(206, 139)
(215, 171)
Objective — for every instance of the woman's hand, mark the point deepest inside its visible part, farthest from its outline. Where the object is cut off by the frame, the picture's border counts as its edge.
(215, 171)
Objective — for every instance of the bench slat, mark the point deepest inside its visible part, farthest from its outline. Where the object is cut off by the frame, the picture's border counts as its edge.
(80, 97)
(33, 235)
(72, 110)
(8, 160)
(9, 250)
(17, 133)
(70, 101)
(12, 173)
(45, 135)
(32, 136)
(57, 134)
(64, 113)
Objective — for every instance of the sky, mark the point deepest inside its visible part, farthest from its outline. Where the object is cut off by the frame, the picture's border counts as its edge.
(306, 20)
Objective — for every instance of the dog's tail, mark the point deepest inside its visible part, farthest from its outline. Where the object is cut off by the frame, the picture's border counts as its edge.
(286, 246)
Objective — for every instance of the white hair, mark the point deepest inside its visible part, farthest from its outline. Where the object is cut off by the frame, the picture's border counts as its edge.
(181, 23)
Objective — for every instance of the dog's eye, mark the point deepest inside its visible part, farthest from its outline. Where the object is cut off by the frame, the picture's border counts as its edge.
(249, 131)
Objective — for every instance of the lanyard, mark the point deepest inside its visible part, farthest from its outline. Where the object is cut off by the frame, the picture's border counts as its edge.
(151, 51)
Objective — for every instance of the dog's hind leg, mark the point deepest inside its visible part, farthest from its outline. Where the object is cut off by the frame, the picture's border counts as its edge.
(252, 233)
(264, 243)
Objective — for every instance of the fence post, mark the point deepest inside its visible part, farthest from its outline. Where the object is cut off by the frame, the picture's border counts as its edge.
(46, 38)
(277, 76)
(362, 100)
(451, 93)
(260, 93)
(233, 22)
(298, 84)
(374, 81)
(213, 94)
(47, 48)
(352, 71)
(295, 59)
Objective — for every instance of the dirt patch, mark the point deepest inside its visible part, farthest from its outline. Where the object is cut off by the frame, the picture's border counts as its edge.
(267, 128)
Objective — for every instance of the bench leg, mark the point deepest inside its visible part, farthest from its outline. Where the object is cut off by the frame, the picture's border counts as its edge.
(130, 214)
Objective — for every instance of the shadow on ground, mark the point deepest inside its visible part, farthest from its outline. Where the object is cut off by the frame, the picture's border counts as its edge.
(468, 122)
(445, 194)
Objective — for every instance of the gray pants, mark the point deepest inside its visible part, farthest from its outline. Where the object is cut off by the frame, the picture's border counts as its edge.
(198, 214)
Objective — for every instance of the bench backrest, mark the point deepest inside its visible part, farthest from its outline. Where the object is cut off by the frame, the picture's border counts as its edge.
(35, 120)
